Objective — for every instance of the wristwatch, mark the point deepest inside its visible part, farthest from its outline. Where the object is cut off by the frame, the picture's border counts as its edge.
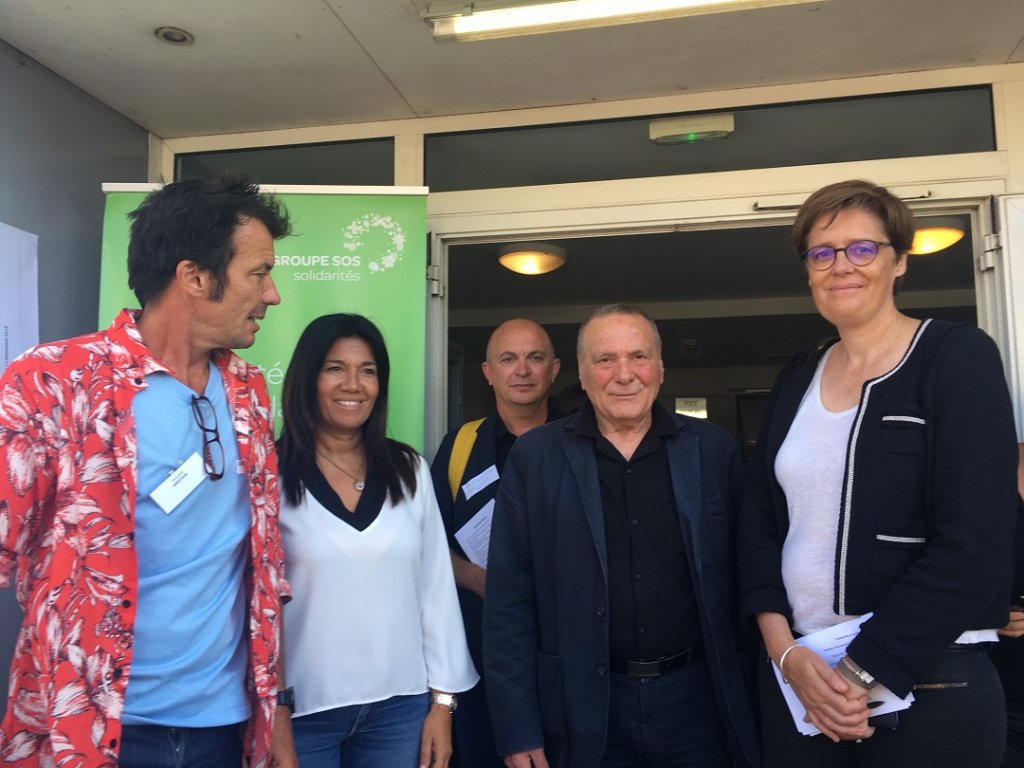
(286, 698)
(449, 700)
(861, 676)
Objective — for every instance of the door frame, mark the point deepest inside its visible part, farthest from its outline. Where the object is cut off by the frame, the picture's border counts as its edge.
(945, 184)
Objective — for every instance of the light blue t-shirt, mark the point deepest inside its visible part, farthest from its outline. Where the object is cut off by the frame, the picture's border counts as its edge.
(189, 662)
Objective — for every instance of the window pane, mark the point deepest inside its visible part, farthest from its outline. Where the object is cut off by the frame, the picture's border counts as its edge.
(358, 163)
(809, 133)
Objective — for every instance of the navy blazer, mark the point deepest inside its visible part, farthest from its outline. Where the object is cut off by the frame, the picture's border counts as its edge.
(546, 630)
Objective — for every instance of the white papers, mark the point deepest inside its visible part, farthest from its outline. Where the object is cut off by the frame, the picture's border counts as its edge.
(475, 536)
(19, 307)
(472, 487)
(831, 644)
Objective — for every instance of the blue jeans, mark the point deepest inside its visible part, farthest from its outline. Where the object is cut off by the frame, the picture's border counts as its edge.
(671, 720)
(383, 734)
(160, 746)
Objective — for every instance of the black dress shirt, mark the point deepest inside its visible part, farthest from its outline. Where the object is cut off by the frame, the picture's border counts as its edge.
(503, 442)
(651, 605)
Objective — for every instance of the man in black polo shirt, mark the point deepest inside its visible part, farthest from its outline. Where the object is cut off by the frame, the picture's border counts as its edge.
(608, 623)
(520, 366)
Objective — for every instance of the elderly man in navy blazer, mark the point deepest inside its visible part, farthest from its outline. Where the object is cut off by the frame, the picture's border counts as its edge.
(609, 617)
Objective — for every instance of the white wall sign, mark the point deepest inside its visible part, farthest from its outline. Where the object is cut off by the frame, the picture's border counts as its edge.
(19, 296)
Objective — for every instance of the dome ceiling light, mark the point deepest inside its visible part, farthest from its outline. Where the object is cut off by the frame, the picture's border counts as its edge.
(531, 258)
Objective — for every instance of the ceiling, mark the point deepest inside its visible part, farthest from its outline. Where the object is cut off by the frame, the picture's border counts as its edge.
(265, 64)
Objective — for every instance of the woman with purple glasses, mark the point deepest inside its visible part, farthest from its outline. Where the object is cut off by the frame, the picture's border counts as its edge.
(883, 483)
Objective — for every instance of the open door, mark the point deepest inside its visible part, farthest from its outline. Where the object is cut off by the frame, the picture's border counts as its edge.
(1006, 254)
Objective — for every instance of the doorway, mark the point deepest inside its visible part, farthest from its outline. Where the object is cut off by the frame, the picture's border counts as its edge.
(730, 300)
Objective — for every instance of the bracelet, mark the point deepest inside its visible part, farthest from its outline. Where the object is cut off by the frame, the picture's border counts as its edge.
(782, 660)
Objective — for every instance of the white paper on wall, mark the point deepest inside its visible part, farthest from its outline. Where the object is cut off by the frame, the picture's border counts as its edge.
(19, 294)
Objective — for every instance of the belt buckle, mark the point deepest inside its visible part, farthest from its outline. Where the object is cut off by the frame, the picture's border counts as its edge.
(644, 668)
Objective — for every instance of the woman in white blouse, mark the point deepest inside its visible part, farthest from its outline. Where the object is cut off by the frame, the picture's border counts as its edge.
(375, 646)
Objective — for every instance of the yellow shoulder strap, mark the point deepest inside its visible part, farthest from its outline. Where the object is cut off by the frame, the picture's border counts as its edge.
(461, 449)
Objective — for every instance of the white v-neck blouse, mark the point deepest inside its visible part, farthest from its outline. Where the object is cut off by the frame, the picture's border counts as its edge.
(374, 613)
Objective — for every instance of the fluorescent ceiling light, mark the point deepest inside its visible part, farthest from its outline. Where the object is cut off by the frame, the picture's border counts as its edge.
(478, 21)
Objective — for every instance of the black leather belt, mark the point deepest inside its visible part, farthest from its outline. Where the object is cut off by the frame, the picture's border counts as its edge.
(659, 666)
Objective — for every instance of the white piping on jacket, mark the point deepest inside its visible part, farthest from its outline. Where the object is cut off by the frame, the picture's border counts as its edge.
(901, 539)
(850, 466)
(911, 419)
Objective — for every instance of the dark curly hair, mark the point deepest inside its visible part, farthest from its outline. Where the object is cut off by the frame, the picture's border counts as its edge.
(195, 220)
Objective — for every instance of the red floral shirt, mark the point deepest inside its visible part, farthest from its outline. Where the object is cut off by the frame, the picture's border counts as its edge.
(67, 503)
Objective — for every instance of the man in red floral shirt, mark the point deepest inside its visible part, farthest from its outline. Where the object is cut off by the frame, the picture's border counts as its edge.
(138, 508)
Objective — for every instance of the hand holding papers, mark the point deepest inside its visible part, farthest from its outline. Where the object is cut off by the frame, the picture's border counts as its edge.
(831, 643)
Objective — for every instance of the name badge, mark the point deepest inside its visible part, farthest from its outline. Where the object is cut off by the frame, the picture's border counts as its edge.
(472, 487)
(180, 483)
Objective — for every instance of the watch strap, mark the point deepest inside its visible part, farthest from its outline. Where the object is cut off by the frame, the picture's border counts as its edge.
(286, 698)
(856, 674)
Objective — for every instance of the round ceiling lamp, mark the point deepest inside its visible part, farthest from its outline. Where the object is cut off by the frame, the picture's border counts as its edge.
(174, 35)
(935, 234)
(531, 258)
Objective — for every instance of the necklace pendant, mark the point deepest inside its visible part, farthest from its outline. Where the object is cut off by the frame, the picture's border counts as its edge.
(359, 485)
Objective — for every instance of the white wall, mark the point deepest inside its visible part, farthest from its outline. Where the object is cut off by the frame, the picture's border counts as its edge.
(57, 145)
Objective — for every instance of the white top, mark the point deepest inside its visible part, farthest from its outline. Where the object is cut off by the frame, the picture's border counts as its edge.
(374, 613)
(810, 466)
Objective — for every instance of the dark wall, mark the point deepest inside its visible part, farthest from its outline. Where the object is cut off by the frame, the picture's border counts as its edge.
(57, 146)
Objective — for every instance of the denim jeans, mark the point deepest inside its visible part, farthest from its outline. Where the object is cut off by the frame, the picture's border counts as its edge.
(671, 720)
(159, 746)
(383, 734)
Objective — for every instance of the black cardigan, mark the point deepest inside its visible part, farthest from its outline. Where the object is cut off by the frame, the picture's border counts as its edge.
(928, 507)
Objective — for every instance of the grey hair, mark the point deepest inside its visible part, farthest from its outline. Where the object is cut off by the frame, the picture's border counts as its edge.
(619, 308)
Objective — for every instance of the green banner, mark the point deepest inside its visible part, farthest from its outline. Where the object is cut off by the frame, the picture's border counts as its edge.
(352, 250)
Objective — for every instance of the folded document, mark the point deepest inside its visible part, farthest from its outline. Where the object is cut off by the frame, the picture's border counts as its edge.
(831, 644)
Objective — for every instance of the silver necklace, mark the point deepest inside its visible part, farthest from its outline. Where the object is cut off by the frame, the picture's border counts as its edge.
(357, 477)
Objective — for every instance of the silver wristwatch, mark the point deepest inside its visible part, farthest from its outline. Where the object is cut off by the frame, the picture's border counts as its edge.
(864, 678)
(449, 700)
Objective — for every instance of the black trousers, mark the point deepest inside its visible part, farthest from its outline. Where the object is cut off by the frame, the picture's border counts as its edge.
(1008, 656)
(958, 720)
